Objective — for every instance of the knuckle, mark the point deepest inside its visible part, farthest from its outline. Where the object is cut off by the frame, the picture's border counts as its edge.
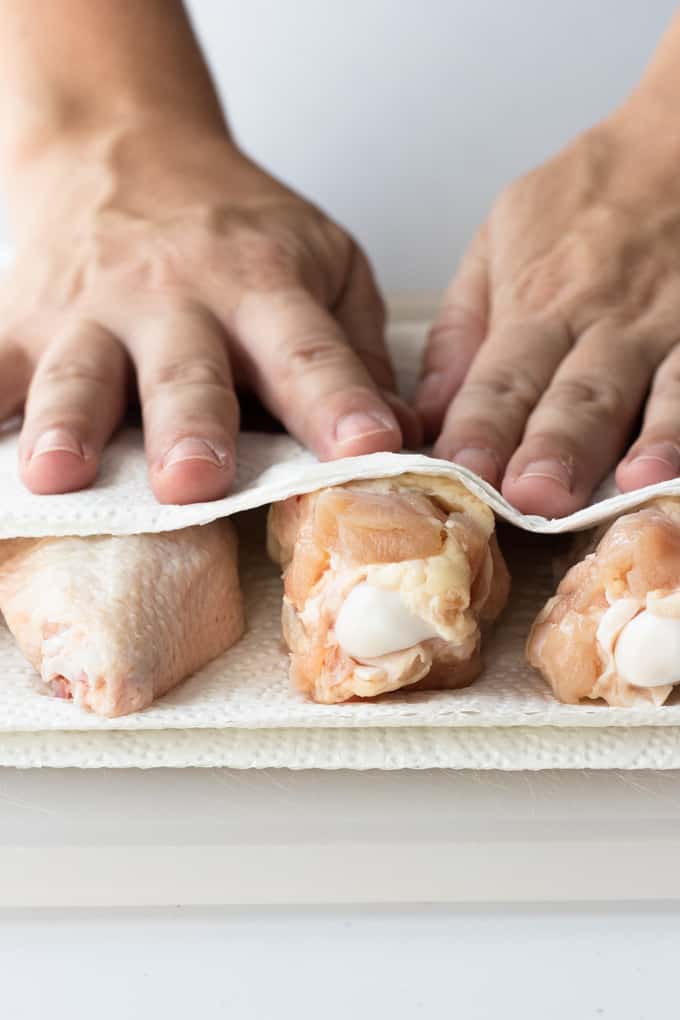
(177, 311)
(569, 278)
(147, 264)
(310, 353)
(182, 319)
(506, 385)
(538, 288)
(196, 371)
(73, 370)
(263, 261)
(594, 398)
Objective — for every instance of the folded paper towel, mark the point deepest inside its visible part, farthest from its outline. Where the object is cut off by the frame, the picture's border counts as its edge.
(270, 468)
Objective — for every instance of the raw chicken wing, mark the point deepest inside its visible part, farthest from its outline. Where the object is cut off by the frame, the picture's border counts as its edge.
(114, 622)
(612, 630)
(387, 584)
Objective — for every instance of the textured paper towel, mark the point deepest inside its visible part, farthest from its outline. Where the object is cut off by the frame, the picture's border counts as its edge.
(508, 748)
(239, 709)
(247, 687)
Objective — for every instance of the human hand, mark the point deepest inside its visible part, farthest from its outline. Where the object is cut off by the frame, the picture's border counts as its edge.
(563, 323)
(171, 256)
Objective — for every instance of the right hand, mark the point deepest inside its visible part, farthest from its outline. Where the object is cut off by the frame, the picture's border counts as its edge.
(175, 258)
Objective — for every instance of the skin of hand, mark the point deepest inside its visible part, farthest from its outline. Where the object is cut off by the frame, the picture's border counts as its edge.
(562, 324)
(149, 248)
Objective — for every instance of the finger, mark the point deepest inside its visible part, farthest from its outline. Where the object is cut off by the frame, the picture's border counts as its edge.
(361, 315)
(412, 436)
(485, 422)
(456, 336)
(189, 408)
(15, 377)
(655, 456)
(306, 373)
(75, 401)
(580, 426)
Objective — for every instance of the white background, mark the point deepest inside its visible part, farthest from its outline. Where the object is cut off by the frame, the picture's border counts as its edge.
(405, 119)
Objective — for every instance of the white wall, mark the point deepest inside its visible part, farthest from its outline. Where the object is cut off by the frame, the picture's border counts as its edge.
(404, 119)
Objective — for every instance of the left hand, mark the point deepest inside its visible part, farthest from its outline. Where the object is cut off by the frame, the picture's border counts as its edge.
(563, 324)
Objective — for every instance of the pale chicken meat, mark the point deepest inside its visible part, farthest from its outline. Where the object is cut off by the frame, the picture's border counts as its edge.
(612, 630)
(387, 584)
(115, 622)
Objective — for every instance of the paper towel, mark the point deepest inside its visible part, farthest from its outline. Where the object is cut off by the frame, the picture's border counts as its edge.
(506, 748)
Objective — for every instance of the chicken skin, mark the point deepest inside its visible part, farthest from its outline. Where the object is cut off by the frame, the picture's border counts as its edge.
(612, 630)
(115, 622)
(387, 584)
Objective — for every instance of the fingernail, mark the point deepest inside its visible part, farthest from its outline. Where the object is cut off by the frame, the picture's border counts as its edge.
(475, 458)
(193, 449)
(665, 454)
(360, 424)
(56, 441)
(555, 470)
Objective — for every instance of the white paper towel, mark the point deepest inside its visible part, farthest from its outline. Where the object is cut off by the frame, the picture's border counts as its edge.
(507, 748)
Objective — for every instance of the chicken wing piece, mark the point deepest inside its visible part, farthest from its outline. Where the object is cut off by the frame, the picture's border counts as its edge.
(612, 630)
(387, 584)
(114, 622)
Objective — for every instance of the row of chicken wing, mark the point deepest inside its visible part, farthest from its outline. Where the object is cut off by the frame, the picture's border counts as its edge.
(388, 584)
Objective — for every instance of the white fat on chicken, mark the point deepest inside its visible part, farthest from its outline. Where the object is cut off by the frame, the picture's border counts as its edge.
(647, 653)
(374, 621)
(640, 646)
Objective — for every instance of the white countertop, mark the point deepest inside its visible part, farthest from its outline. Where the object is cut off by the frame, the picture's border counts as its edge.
(208, 837)
(503, 861)
(577, 963)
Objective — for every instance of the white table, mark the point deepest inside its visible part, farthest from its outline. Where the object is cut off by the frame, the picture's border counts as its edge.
(208, 837)
(505, 894)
